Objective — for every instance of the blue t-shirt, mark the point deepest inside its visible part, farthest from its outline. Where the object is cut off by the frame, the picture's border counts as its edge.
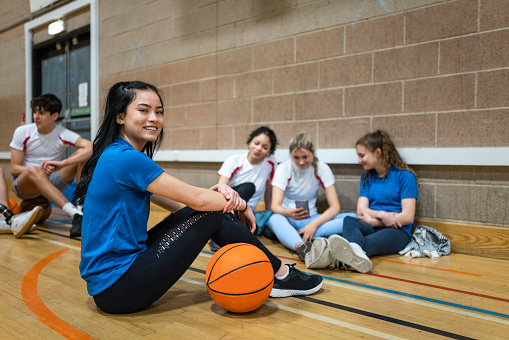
(386, 193)
(115, 214)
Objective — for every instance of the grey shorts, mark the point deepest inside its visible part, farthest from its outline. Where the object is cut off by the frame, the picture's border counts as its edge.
(54, 179)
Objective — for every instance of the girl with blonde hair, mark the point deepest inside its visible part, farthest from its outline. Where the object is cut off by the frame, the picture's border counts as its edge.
(298, 179)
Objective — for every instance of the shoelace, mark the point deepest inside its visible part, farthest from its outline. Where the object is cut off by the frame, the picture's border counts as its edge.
(294, 271)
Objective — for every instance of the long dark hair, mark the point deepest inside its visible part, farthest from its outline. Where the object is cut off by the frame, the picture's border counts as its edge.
(389, 154)
(119, 97)
(269, 133)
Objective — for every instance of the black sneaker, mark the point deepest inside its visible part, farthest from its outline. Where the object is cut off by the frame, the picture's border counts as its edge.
(303, 249)
(214, 246)
(296, 283)
(76, 225)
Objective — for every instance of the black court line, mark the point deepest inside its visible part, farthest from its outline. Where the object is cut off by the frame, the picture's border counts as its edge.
(58, 234)
(373, 315)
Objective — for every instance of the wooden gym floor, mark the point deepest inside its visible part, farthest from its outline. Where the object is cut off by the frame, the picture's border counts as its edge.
(461, 297)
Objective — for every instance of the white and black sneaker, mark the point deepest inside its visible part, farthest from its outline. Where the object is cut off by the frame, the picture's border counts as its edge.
(22, 223)
(349, 253)
(303, 249)
(296, 283)
(318, 256)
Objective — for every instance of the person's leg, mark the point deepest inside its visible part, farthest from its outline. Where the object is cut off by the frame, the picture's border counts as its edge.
(4, 197)
(334, 226)
(285, 232)
(385, 241)
(355, 230)
(34, 182)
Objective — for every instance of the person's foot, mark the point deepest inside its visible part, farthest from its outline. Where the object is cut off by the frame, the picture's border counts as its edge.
(296, 283)
(76, 225)
(22, 223)
(318, 256)
(303, 249)
(350, 254)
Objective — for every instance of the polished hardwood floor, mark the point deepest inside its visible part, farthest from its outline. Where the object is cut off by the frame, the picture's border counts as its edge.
(461, 297)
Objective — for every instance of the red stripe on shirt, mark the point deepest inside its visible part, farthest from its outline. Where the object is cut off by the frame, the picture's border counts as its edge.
(320, 180)
(234, 171)
(25, 144)
(66, 142)
(272, 171)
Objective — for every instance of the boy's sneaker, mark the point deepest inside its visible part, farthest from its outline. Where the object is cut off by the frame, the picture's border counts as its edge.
(348, 253)
(303, 249)
(76, 225)
(319, 256)
(21, 223)
(296, 283)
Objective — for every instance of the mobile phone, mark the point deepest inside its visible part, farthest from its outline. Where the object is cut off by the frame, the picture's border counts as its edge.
(302, 204)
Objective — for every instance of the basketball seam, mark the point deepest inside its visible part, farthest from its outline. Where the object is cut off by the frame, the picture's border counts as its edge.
(212, 269)
(231, 271)
(232, 294)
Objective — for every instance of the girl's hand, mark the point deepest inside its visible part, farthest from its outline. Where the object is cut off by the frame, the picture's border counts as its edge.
(233, 200)
(249, 216)
(389, 220)
(370, 220)
(298, 213)
(307, 232)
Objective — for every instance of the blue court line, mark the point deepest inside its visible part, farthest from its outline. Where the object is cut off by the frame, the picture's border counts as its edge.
(413, 296)
(418, 297)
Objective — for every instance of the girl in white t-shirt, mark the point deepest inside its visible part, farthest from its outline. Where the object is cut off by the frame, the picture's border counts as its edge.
(299, 179)
(250, 174)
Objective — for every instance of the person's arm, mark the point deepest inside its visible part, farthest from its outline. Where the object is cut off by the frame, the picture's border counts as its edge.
(199, 199)
(277, 206)
(378, 218)
(234, 200)
(332, 211)
(268, 196)
(17, 158)
(223, 180)
(166, 203)
(81, 155)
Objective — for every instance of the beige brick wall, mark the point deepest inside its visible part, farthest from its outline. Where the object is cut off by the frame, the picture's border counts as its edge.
(434, 73)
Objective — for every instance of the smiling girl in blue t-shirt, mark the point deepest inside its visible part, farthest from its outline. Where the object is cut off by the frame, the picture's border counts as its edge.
(385, 208)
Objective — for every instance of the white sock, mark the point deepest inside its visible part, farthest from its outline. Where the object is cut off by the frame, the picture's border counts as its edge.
(286, 275)
(71, 209)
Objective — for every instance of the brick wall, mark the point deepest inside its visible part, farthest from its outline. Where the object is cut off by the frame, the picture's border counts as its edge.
(433, 73)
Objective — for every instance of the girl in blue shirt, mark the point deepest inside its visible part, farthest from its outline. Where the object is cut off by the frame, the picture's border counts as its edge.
(126, 267)
(385, 208)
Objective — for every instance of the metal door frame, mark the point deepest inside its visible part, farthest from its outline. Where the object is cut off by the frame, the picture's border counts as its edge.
(94, 55)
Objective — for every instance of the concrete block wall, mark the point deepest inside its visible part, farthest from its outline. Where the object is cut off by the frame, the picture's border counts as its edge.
(433, 73)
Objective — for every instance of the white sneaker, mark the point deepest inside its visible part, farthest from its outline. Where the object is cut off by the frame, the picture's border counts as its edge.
(22, 223)
(348, 253)
(318, 257)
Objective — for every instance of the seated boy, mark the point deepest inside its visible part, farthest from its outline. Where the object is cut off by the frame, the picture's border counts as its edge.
(36, 150)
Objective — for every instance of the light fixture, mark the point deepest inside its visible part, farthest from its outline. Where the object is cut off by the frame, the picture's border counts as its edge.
(57, 27)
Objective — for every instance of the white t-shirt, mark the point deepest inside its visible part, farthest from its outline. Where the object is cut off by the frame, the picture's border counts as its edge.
(302, 184)
(38, 147)
(239, 170)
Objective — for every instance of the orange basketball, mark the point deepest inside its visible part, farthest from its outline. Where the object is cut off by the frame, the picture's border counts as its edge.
(239, 277)
(14, 207)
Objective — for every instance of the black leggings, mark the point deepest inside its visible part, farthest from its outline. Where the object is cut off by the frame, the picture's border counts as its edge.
(172, 246)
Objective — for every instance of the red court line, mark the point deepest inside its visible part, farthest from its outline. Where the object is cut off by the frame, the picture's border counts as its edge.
(435, 268)
(440, 287)
(36, 305)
